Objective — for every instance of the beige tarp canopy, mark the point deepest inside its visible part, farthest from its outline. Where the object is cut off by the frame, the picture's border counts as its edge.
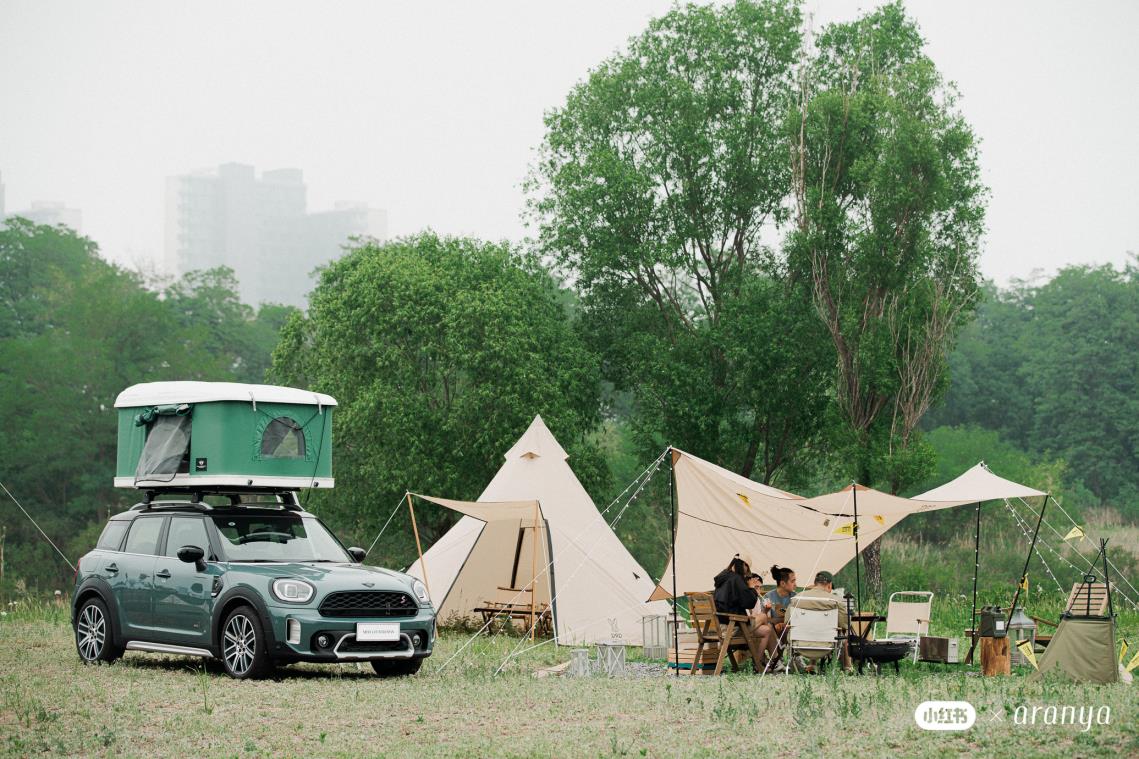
(978, 485)
(721, 513)
(592, 579)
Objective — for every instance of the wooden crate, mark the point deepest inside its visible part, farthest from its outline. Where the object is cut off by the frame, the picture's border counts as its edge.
(939, 650)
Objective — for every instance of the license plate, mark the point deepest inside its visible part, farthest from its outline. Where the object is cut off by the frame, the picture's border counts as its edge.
(377, 631)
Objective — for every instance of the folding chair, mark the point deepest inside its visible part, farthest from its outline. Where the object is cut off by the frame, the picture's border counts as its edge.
(908, 620)
(812, 633)
(734, 635)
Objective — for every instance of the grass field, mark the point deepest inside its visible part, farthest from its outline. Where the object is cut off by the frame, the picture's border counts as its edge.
(145, 705)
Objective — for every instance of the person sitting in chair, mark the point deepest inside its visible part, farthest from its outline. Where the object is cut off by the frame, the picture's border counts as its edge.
(732, 594)
(760, 622)
(780, 596)
(821, 597)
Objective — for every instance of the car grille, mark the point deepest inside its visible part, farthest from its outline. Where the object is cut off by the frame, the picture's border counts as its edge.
(371, 646)
(368, 603)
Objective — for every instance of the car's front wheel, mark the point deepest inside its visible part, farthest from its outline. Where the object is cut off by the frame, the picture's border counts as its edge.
(243, 649)
(93, 639)
(396, 667)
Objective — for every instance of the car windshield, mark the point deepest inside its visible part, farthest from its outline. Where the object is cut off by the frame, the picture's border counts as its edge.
(273, 537)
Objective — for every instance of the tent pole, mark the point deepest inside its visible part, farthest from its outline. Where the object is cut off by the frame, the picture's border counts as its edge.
(672, 500)
(1024, 574)
(1106, 580)
(418, 547)
(976, 571)
(857, 557)
(533, 570)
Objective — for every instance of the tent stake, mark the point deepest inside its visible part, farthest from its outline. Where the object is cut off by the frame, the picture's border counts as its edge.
(418, 547)
(672, 456)
(1024, 574)
(976, 570)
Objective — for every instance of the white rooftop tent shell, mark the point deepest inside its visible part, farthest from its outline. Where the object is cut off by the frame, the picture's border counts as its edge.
(592, 578)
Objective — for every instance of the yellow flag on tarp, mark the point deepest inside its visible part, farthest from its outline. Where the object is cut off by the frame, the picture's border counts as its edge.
(846, 529)
(1123, 650)
(745, 499)
(1025, 647)
(1133, 663)
(1075, 532)
(880, 519)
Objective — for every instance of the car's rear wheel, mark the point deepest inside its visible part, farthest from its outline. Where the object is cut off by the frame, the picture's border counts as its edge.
(244, 652)
(93, 638)
(396, 667)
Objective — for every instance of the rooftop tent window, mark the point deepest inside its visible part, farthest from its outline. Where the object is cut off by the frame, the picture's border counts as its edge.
(283, 439)
(167, 449)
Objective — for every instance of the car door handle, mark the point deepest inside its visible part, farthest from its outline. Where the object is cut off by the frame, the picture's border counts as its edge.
(164, 574)
(111, 569)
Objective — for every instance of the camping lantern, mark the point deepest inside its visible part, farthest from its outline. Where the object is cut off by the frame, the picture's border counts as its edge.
(579, 662)
(1021, 627)
(654, 631)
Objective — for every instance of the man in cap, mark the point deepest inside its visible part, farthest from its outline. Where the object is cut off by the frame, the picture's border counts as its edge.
(821, 597)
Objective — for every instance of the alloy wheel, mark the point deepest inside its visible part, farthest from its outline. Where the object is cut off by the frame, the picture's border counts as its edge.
(239, 644)
(91, 632)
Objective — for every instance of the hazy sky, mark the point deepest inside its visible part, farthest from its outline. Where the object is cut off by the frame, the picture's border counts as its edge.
(433, 110)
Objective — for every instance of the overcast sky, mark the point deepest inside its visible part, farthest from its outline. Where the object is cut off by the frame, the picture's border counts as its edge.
(433, 110)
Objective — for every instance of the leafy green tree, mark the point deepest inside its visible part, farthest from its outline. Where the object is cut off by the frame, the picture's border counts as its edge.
(653, 184)
(74, 332)
(889, 210)
(440, 352)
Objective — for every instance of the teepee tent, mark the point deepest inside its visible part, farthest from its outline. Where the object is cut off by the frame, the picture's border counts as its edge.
(587, 576)
(1083, 648)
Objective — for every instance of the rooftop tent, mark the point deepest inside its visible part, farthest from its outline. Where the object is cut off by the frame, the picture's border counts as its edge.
(223, 434)
(592, 579)
(720, 513)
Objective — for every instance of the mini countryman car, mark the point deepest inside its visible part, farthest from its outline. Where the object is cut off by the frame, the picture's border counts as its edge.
(252, 584)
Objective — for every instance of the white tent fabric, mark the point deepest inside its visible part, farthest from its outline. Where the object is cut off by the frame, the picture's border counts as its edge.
(593, 579)
(978, 485)
(721, 514)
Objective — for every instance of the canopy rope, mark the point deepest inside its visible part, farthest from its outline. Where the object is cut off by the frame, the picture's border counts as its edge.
(1064, 559)
(1024, 528)
(29, 516)
(1086, 560)
(1109, 561)
(646, 474)
(397, 505)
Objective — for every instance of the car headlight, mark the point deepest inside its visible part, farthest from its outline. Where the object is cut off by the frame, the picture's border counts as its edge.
(420, 591)
(292, 591)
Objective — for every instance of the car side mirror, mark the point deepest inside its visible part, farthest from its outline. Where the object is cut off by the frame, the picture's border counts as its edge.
(358, 554)
(192, 555)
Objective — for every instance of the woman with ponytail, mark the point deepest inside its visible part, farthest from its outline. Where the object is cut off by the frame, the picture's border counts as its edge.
(780, 596)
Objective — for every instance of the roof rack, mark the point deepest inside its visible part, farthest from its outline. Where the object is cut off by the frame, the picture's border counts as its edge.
(286, 499)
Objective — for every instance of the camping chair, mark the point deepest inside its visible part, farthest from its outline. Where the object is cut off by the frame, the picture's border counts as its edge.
(908, 620)
(812, 633)
(735, 635)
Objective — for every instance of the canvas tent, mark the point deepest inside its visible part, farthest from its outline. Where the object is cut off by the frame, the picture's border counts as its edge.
(583, 570)
(1083, 649)
(720, 513)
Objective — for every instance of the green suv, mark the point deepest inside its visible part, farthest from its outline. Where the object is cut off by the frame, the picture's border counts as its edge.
(251, 584)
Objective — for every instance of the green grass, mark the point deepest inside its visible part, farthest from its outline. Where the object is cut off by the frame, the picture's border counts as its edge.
(151, 705)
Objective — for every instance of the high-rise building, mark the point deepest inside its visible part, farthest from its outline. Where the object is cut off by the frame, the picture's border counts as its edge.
(258, 226)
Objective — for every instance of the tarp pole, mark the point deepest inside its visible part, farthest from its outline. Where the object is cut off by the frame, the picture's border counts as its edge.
(857, 556)
(976, 571)
(533, 570)
(672, 500)
(1106, 579)
(418, 547)
(1024, 574)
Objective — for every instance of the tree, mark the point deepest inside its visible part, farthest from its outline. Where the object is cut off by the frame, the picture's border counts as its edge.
(74, 332)
(440, 352)
(653, 184)
(889, 209)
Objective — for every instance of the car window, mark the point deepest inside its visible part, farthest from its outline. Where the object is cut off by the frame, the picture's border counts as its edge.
(112, 536)
(143, 537)
(284, 537)
(186, 531)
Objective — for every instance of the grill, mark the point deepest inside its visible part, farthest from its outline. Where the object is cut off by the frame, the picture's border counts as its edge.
(371, 647)
(368, 603)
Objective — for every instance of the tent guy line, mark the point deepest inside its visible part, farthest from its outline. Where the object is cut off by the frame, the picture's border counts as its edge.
(29, 516)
